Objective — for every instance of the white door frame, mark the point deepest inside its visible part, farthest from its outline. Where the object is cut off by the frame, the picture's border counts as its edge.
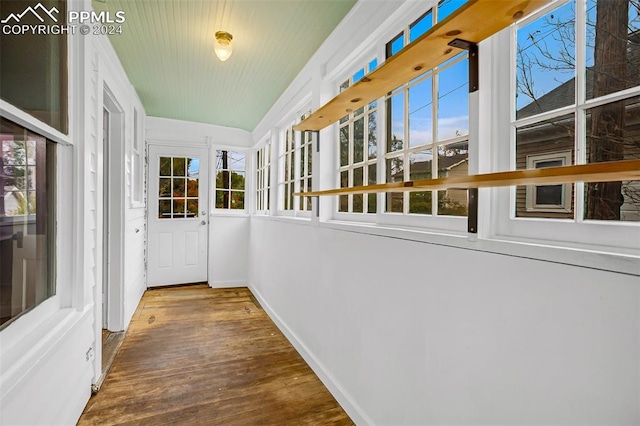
(111, 261)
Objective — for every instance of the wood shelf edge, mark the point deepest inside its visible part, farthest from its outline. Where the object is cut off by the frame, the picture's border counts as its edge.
(597, 172)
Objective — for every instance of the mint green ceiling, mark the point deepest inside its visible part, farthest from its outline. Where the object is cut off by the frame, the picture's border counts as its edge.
(166, 48)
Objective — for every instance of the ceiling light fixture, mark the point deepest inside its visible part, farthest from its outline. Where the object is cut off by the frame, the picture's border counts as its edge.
(223, 47)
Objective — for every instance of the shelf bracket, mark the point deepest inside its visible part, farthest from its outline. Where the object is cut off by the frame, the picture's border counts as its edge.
(474, 86)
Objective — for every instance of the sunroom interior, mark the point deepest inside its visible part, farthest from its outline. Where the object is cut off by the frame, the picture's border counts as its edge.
(437, 203)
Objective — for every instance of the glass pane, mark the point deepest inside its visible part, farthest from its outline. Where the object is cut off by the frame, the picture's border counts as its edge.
(164, 187)
(546, 62)
(358, 75)
(291, 165)
(358, 140)
(179, 187)
(33, 64)
(192, 207)
(612, 135)
(222, 180)
(447, 7)
(420, 167)
(547, 141)
(236, 161)
(358, 203)
(395, 134)
(179, 167)
(237, 180)
(222, 199)
(395, 173)
(420, 113)
(302, 158)
(373, 135)
(178, 207)
(453, 101)
(344, 146)
(358, 176)
(395, 45)
(421, 26)
(193, 169)
(343, 205)
(164, 209)
(453, 160)
(165, 166)
(309, 161)
(372, 180)
(373, 64)
(237, 200)
(192, 187)
(613, 46)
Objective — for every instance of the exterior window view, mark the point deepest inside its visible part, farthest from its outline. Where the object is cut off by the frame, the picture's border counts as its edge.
(322, 212)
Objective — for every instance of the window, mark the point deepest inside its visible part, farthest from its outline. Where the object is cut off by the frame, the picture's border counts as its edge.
(137, 153)
(578, 91)
(230, 179)
(286, 166)
(33, 67)
(263, 178)
(427, 137)
(27, 220)
(295, 167)
(178, 183)
(549, 198)
(358, 151)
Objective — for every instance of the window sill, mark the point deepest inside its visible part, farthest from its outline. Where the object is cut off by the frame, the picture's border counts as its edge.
(587, 256)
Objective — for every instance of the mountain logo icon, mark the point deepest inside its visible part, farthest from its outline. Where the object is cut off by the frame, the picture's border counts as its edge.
(34, 11)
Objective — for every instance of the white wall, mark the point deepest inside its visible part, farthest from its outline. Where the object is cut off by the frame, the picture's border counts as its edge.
(51, 356)
(406, 332)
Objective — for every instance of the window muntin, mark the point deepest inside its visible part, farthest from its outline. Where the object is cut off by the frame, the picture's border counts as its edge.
(358, 145)
(263, 178)
(230, 180)
(178, 186)
(27, 220)
(416, 148)
(599, 92)
(33, 67)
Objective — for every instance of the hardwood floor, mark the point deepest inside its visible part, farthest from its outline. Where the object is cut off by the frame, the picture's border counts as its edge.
(195, 355)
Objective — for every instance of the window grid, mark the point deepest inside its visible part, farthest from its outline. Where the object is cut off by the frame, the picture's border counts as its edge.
(357, 160)
(177, 188)
(286, 177)
(263, 178)
(441, 153)
(575, 21)
(230, 180)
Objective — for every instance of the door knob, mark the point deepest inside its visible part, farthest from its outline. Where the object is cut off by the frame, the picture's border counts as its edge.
(204, 222)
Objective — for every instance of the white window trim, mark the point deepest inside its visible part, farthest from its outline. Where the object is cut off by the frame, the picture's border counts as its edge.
(531, 203)
(136, 159)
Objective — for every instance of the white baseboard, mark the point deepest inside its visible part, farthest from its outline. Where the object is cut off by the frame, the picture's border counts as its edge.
(353, 410)
(227, 284)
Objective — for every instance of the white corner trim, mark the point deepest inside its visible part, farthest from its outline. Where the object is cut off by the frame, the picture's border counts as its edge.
(351, 407)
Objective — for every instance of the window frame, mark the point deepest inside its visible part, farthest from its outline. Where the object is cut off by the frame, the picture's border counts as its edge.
(263, 171)
(610, 236)
(213, 180)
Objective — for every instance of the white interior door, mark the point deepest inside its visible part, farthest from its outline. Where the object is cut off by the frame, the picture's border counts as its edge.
(177, 215)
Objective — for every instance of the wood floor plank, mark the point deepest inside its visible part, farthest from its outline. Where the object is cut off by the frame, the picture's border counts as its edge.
(195, 355)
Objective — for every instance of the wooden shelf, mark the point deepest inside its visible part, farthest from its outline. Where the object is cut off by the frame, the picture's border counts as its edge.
(473, 22)
(598, 172)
